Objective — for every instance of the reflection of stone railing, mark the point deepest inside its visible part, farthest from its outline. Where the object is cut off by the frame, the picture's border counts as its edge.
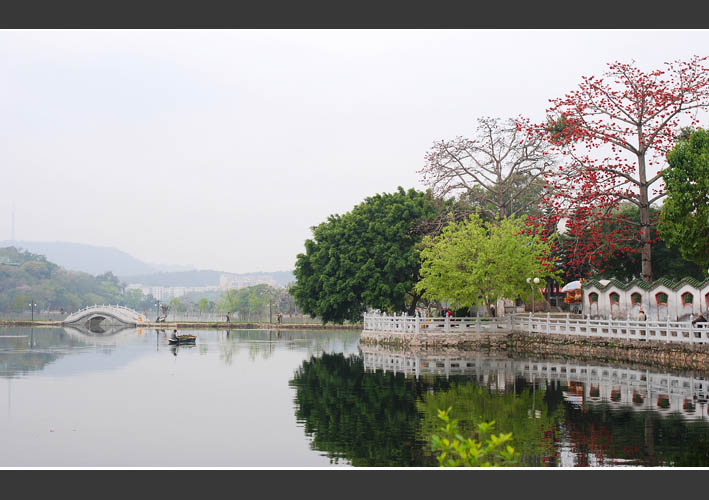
(664, 331)
(640, 389)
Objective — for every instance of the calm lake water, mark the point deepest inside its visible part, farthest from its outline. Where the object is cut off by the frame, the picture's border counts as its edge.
(248, 398)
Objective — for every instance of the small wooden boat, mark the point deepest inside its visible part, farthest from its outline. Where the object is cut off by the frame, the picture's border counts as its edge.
(182, 339)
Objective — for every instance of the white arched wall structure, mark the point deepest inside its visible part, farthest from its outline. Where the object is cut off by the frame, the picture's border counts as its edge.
(626, 295)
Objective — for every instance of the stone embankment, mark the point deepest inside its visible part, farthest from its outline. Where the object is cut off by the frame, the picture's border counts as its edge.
(465, 341)
(667, 354)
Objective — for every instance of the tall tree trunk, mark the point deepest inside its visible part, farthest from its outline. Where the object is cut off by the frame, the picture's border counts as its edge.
(646, 256)
(414, 301)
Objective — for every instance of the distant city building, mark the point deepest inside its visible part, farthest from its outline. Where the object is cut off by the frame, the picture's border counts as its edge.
(226, 282)
(230, 282)
(170, 292)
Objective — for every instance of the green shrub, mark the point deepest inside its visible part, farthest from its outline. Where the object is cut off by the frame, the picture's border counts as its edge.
(483, 451)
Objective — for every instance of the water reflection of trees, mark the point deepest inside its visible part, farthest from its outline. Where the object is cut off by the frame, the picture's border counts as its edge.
(369, 419)
(601, 435)
(29, 349)
(379, 419)
(525, 412)
(386, 419)
(261, 344)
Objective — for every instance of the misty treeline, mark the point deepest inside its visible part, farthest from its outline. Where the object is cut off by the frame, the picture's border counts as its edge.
(255, 302)
(27, 278)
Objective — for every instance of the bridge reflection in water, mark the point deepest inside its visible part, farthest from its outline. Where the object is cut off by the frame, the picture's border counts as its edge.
(639, 389)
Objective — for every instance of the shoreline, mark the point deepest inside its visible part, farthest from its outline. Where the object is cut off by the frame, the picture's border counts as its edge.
(671, 355)
(196, 325)
(666, 354)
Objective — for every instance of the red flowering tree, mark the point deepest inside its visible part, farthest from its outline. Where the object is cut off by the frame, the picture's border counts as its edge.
(613, 134)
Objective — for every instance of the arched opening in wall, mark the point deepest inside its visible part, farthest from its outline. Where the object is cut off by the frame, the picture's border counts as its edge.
(593, 304)
(706, 301)
(687, 306)
(636, 304)
(661, 301)
(615, 305)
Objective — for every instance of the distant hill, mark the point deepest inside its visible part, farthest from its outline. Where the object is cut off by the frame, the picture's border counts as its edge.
(86, 258)
(28, 277)
(209, 278)
(97, 260)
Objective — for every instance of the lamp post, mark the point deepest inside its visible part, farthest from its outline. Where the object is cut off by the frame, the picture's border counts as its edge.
(533, 282)
(32, 305)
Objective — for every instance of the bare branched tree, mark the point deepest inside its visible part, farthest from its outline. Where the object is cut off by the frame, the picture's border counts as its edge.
(499, 171)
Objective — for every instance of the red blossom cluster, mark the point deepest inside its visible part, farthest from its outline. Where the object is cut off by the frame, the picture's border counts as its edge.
(612, 135)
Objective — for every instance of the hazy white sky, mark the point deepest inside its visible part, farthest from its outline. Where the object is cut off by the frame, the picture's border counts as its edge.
(220, 149)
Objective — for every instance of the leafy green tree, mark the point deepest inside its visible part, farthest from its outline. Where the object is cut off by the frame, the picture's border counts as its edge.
(20, 302)
(365, 258)
(203, 304)
(134, 298)
(37, 269)
(475, 263)
(685, 212)
(255, 301)
(177, 305)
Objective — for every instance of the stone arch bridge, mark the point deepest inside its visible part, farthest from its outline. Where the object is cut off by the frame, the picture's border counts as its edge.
(93, 316)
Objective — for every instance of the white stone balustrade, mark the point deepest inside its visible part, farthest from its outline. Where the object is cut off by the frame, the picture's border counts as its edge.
(663, 331)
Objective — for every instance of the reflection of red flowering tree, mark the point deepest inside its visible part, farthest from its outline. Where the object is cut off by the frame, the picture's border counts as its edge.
(614, 133)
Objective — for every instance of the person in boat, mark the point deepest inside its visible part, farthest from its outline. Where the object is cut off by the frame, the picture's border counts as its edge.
(174, 334)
